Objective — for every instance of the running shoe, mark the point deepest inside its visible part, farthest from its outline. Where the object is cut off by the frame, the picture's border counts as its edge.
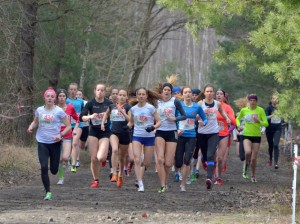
(197, 173)
(269, 163)
(193, 177)
(245, 172)
(126, 173)
(224, 168)
(182, 188)
(48, 196)
(102, 164)
(110, 175)
(162, 189)
(136, 183)
(253, 179)
(188, 180)
(204, 166)
(95, 184)
(77, 164)
(120, 182)
(276, 166)
(219, 182)
(176, 177)
(208, 183)
(180, 176)
(60, 182)
(114, 178)
(73, 169)
(141, 188)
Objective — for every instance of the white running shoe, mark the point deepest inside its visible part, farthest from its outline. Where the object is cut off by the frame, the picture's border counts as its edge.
(141, 188)
(182, 188)
(60, 182)
(188, 180)
(77, 164)
(180, 175)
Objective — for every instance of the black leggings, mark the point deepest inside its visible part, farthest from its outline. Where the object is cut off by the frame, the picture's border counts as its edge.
(46, 151)
(208, 145)
(241, 148)
(273, 136)
(184, 151)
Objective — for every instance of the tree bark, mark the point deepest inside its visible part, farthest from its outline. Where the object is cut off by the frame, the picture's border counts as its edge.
(61, 42)
(25, 71)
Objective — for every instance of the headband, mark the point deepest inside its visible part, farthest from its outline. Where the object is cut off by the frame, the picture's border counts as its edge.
(196, 91)
(62, 91)
(168, 85)
(252, 97)
(50, 91)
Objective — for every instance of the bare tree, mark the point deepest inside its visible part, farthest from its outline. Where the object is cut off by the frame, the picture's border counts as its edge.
(154, 27)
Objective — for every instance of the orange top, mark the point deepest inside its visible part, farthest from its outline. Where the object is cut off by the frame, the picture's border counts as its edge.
(223, 126)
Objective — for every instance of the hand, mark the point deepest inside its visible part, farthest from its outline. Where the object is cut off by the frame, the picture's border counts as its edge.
(58, 137)
(240, 128)
(94, 115)
(150, 128)
(201, 123)
(180, 132)
(228, 120)
(102, 127)
(171, 118)
(129, 125)
(29, 130)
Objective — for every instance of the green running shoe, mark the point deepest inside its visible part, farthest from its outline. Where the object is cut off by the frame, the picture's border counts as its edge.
(245, 172)
(48, 196)
(193, 177)
(162, 190)
(73, 169)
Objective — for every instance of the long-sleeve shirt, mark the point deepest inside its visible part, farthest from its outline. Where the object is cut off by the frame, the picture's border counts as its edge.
(251, 128)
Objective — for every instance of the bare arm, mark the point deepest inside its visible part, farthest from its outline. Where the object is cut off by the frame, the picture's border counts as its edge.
(33, 125)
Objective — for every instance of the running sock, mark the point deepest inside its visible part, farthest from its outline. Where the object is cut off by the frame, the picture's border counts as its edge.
(60, 172)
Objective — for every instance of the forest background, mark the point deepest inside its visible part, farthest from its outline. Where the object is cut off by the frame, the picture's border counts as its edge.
(240, 46)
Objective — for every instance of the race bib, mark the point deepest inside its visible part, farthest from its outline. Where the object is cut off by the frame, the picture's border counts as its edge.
(211, 114)
(275, 120)
(116, 115)
(221, 126)
(249, 118)
(97, 120)
(46, 119)
(164, 113)
(141, 120)
(187, 124)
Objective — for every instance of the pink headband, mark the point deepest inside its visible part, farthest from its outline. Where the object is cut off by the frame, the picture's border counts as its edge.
(50, 91)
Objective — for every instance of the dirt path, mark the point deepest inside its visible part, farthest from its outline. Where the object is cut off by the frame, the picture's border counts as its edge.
(237, 201)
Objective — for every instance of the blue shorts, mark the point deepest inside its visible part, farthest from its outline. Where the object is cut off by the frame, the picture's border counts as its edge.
(146, 141)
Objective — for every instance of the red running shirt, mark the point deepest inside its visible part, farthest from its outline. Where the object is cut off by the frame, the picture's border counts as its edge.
(71, 112)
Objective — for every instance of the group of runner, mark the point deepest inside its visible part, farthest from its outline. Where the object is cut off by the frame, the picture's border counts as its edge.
(170, 123)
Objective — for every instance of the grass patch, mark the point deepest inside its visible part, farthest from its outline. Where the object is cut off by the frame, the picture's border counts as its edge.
(17, 164)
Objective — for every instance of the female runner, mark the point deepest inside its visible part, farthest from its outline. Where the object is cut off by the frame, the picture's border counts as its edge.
(209, 134)
(98, 139)
(187, 134)
(48, 119)
(145, 119)
(254, 117)
(120, 137)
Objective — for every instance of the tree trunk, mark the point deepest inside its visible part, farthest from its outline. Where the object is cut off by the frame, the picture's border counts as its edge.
(61, 42)
(25, 71)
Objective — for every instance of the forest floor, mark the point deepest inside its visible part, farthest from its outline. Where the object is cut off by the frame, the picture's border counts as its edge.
(237, 201)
